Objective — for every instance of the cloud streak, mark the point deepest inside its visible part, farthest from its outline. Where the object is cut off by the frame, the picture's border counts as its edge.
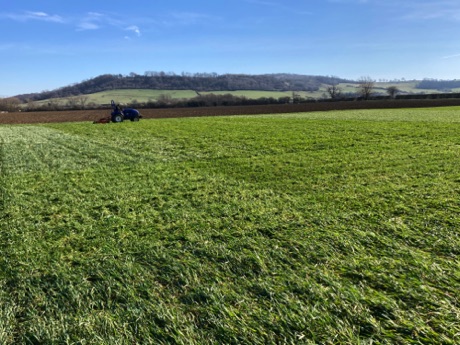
(416, 10)
(87, 26)
(95, 21)
(90, 21)
(433, 10)
(40, 16)
(451, 56)
(413, 10)
(134, 29)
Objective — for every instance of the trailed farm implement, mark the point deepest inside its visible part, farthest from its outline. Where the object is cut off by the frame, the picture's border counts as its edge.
(119, 114)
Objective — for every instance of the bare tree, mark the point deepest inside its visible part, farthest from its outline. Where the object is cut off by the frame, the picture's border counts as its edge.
(164, 99)
(392, 91)
(366, 85)
(72, 102)
(53, 104)
(334, 91)
(9, 104)
(82, 101)
(296, 98)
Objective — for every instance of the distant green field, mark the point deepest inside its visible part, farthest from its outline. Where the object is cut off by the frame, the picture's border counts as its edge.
(380, 87)
(252, 94)
(318, 228)
(126, 96)
(139, 95)
(129, 95)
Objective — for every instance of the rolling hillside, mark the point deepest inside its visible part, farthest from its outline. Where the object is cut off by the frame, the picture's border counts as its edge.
(129, 96)
(201, 82)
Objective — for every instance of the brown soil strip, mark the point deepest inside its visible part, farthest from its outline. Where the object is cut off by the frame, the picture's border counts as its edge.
(92, 115)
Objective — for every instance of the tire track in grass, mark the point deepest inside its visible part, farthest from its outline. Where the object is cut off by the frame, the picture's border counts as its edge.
(41, 149)
(7, 308)
(15, 150)
(45, 208)
(36, 152)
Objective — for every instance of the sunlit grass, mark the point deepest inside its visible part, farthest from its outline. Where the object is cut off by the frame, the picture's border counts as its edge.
(337, 227)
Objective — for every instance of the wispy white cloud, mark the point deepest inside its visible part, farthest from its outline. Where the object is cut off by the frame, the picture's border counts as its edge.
(134, 29)
(87, 26)
(413, 9)
(92, 21)
(451, 56)
(89, 21)
(96, 20)
(41, 16)
(431, 10)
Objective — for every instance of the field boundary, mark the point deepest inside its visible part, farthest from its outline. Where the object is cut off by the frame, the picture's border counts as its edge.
(91, 115)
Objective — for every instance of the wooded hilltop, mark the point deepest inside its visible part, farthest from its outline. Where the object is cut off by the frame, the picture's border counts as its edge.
(188, 81)
(208, 82)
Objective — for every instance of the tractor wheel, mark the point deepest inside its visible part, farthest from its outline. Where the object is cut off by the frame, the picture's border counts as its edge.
(118, 118)
(135, 118)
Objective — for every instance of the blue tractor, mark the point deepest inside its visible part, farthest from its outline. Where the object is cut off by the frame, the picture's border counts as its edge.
(119, 114)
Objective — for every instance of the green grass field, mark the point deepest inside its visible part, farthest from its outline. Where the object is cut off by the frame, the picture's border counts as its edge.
(317, 228)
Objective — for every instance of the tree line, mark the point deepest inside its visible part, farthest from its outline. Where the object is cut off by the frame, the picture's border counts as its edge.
(436, 84)
(187, 81)
(9, 104)
(365, 90)
(165, 101)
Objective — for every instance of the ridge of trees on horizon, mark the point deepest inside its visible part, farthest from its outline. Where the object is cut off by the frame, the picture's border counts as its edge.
(214, 82)
(75, 95)
(437, 84)
(213, 100)
(188, 81)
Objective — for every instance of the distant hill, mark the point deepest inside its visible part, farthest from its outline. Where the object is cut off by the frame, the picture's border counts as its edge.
(441, 85)
(186, 81)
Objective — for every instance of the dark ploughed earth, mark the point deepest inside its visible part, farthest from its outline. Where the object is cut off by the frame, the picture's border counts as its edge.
(92, 115)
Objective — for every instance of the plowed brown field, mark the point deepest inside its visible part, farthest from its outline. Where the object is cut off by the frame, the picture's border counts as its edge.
(91, 115)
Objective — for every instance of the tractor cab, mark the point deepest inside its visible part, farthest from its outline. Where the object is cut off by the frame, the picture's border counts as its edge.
(119, 114)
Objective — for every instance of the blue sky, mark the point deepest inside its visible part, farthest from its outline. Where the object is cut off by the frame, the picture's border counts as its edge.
(52, 43)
